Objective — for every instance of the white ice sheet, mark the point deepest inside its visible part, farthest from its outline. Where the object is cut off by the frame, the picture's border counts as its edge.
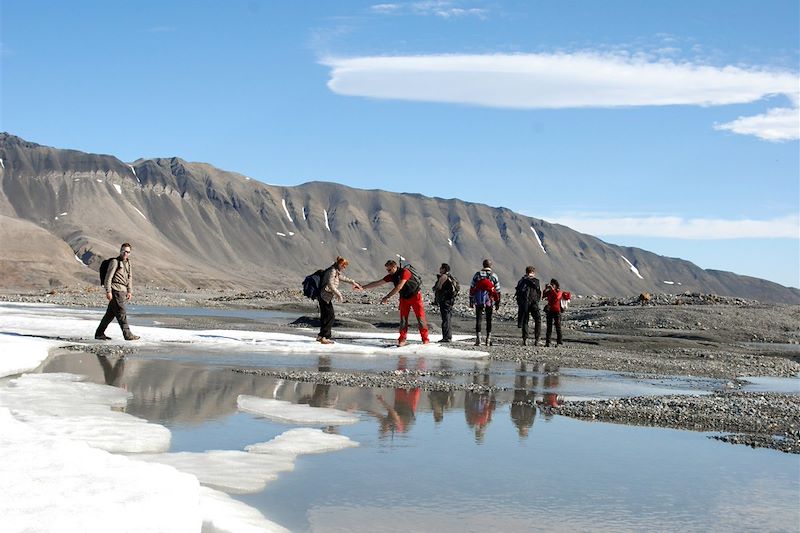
(80, 326)
(290, 413)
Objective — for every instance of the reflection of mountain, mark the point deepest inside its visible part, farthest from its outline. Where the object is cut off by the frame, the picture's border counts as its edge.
(172, 392)
(176, 392)
(195, 225)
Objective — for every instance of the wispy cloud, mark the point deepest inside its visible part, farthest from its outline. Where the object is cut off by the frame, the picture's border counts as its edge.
(566, 80)
(440, 8)
(785, 227)
(779, 124)
(386, 8)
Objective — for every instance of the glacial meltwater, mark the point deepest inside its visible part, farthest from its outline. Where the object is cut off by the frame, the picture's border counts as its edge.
(459, 461)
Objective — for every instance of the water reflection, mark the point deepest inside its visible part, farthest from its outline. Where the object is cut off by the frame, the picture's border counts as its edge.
(479, 406)
(523, 410)
(112, 374)
(400, 416)
(179, 392)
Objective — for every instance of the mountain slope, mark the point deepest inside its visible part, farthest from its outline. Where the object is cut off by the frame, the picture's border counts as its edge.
(192, 225)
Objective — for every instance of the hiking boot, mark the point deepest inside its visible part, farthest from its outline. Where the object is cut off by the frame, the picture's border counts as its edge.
(524, 341)
(478, 339)
(488, 341)
(101, 337)
(132, 337)
(444, 341)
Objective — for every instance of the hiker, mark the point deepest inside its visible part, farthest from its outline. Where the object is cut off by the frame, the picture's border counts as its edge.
(329, 288)
(553, 309)
(484, 291)
(407, 283)
(528, 294)
(444, 295)
(118, 284)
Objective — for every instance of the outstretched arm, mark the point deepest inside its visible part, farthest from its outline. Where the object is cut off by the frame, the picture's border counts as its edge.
(372, 284)
(394, 291)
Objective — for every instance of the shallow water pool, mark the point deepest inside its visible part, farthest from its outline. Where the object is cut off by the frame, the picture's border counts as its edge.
(434, 461)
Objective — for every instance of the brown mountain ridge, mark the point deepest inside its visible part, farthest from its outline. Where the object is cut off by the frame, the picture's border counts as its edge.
(193, 225)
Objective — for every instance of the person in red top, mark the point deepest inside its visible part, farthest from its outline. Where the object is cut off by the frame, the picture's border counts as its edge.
(408, 286)
(553, 294)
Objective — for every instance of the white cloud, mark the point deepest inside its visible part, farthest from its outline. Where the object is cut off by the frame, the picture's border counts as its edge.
(385, 8)
(779, 124)
(569, 80)
(786, 227)
(439, 8)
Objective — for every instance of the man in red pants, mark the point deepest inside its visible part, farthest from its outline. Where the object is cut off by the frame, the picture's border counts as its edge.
(407, 283)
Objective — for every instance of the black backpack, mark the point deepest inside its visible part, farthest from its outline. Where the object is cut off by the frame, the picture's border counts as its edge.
(312, 284)
(456, 285)
(528, 293)
(413, 284)
(104, 269)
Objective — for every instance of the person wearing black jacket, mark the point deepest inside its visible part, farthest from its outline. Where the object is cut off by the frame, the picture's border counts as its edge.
(528, 294)
(444, 297)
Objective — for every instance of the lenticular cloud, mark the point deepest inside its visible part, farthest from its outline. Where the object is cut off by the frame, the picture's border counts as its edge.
(558, 81)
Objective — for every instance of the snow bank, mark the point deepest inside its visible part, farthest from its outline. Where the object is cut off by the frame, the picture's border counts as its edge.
(22, 353)
(62, 406)
(53, 484)
(80, 325)
(232, 471)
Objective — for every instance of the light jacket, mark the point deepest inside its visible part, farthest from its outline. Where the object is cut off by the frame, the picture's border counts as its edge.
(330, 283)
(119, 276)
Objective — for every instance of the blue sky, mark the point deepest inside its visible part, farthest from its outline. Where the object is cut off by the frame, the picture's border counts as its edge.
(672, 126)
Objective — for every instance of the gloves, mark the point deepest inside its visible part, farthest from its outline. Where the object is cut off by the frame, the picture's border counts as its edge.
(497, 306)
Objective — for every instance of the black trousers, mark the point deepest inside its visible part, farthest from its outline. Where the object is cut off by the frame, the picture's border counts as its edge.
(553, 318)
(479, 310)
(523, 318)
(446, 309)
(326, 317)
(116, 309)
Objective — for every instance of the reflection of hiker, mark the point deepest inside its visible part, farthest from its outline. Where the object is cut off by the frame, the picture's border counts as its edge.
(554, 295)
(551, 397)
(329, 289)
(523, 410)
(528, 294)
(321, 396)
(400, 416)
(444, 293)
(484, 291)
(111, 374)
(440, 401)
(478, 407)
(118, 285)
(408, 285)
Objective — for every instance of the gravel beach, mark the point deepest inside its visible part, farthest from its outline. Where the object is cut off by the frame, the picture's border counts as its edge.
(672, 335)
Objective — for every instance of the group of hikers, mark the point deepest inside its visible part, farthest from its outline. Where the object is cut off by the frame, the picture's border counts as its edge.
(484, 297)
